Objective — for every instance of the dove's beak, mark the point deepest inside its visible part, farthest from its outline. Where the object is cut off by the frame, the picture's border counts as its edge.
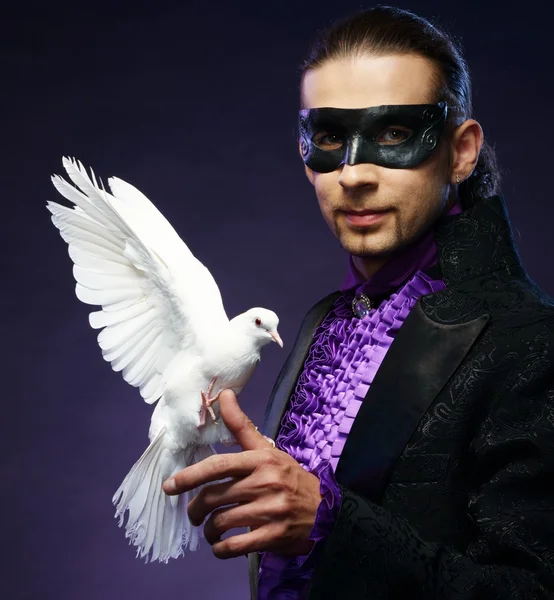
(276, 337)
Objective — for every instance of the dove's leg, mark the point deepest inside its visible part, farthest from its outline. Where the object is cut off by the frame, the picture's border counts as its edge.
(207, 407)
(202, 411)
(207, 403)
(211, 387)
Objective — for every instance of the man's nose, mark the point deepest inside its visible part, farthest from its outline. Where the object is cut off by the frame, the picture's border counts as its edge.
(355, 173)
(358, 175)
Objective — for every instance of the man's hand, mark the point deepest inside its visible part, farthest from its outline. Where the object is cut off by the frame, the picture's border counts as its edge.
(270, 492)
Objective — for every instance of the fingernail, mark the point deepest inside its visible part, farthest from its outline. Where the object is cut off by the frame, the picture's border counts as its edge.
(169, 485)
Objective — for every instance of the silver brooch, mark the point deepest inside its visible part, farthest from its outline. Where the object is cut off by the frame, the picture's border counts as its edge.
(361, 306)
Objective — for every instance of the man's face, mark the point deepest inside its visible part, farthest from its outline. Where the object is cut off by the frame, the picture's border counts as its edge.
(405, 202)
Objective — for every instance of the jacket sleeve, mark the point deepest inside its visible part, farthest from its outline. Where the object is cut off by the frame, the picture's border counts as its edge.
(373, 553)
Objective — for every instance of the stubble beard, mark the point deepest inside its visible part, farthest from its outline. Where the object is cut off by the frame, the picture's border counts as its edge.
(371, 242)
(388, 238)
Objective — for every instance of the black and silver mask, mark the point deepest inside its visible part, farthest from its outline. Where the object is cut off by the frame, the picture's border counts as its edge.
(331, 137)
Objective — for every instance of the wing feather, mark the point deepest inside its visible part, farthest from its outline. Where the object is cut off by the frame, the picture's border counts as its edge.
(76, 223)
(137, 372)
(111, 337)
(149, 343)
(157, 300)
(116, 306)
(153, 388)
(99, 318)
(98, 264)
(82, 247)
(102, 297)
(95, 280)
(124, 347)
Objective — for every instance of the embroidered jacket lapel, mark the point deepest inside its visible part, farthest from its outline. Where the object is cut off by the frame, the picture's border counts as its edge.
(420, 361)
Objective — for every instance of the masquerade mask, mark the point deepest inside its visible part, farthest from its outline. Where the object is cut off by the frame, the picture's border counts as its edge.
(396, 136)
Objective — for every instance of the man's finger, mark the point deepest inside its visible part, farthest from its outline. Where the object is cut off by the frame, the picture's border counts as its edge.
(213, 468)
(253, 541)
(242, 428)
(231, 517)
(215, 495)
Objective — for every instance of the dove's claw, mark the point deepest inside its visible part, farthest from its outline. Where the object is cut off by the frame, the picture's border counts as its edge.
(212, 414)
(203, 409)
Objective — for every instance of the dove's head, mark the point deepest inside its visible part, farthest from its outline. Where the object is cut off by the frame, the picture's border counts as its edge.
(262, 324)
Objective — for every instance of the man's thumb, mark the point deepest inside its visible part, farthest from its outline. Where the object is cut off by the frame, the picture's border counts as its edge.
(241, 427)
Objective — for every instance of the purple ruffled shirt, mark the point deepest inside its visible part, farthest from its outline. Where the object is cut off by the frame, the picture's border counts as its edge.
(339, 369)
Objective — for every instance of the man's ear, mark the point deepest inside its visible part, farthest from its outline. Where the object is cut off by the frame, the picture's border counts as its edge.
(467, 142)
(307, 170)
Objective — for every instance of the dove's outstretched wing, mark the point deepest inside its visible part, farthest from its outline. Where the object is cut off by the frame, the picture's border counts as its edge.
(157, 299)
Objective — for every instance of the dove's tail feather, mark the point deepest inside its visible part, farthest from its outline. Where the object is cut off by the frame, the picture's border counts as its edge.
(158, 524)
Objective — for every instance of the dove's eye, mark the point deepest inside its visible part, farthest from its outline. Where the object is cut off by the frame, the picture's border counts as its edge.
(258, 322)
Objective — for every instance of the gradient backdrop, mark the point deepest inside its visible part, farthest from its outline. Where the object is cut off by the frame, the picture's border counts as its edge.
(194, 103)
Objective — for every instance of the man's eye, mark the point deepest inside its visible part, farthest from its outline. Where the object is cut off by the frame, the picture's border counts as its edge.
(328, 141)
(393, 135)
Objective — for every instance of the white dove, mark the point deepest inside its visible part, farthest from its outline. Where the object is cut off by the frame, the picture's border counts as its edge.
(165, 328)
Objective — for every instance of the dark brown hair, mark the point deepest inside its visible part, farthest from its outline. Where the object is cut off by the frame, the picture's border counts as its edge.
(386, 30)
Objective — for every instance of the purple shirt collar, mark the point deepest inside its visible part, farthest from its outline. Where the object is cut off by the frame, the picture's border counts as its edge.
(417, 257)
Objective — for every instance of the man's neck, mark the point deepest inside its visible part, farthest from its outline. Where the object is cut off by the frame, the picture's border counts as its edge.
(368, 266)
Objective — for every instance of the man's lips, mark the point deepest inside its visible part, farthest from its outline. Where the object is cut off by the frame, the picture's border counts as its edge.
(363, 218)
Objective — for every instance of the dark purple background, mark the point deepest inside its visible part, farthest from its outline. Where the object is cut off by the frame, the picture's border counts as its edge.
(196, 105)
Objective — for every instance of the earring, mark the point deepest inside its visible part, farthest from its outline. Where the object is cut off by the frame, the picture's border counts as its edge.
(457, 178)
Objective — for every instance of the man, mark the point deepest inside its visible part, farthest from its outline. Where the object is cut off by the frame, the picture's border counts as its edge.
(414, 418)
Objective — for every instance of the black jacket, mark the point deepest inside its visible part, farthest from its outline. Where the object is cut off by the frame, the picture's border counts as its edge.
(447, 475)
